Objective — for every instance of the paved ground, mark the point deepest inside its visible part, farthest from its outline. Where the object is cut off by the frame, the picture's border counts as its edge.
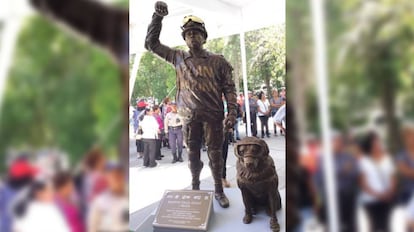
(147, 185)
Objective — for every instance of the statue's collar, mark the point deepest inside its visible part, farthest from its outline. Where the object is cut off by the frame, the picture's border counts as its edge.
(204, 54)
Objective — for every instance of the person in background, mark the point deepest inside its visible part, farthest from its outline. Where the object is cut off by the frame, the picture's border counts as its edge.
(405, 165)
(409, 215)
(38, 212)
(109, 211)
(263, 108)
(95, 181)
(65, 199)
(173, 127)
(236, 125)
(150, 132)
(310, 154)
(354, 148)
(166, 108)
(134, 118)
(347, 176)
(283, 97)
(20, 175)
(275, 103)
(280, 117)
(283, 93)
(307, 203)
(378, 183)
(138, 141)
(156, 113)
(253, 114)
(240, 100)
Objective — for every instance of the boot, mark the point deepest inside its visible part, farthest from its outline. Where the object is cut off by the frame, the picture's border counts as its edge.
(180, 157)
(174, 158)
(216, 166)
(221, 197)
(195, 172)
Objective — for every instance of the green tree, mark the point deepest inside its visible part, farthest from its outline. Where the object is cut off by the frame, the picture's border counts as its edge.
(269, 60)
(380, 39)
(61, 92)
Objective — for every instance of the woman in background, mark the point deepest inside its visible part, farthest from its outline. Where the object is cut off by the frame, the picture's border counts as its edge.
(405, 165)
(378, 183)
(157, 115)
(149, 126)
(65, 199)
(263, 108)
(38, 212)
(275, 103)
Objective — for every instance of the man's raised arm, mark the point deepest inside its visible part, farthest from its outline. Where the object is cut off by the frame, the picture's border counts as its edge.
(152, 41)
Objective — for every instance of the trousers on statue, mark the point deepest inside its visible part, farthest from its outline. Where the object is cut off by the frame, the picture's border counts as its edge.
(214, 136)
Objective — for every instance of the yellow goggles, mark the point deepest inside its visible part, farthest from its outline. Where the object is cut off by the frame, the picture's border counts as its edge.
(192, 18)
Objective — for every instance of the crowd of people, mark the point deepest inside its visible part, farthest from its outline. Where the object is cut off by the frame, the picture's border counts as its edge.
(160, 126)
(52, 199)
(367, 176)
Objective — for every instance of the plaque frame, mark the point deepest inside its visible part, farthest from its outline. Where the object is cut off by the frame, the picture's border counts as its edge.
(160, 227)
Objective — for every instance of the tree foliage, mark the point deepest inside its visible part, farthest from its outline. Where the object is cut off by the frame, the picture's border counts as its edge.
(370, 57)
(61, 92)
(268, 61)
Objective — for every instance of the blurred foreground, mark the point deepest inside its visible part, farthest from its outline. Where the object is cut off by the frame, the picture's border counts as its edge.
(369, 65)
(60, 116)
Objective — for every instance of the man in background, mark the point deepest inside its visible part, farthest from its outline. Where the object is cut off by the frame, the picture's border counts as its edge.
(253, 114)
(173, 127)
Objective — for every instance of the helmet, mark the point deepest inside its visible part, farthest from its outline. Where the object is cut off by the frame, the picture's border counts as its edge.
(191, 22)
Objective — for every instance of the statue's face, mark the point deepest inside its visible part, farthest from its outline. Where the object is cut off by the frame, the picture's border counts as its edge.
(251, 155)
(194, 39)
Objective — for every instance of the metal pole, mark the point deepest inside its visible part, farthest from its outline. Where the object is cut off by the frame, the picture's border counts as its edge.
(8, 41)
(133, 73)
(244, 72)
(321, 71)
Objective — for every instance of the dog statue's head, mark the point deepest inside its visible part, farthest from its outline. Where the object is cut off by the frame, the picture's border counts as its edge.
(251, 151)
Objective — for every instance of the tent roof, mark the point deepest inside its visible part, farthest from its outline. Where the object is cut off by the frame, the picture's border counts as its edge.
(222, 18)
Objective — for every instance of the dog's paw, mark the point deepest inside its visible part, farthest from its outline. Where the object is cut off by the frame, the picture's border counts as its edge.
(247, 219)
(274, 225)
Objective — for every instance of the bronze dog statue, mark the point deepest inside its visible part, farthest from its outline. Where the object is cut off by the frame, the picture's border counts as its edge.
(257, 179)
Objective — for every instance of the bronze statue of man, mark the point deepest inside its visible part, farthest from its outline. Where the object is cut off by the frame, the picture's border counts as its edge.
(202, 78)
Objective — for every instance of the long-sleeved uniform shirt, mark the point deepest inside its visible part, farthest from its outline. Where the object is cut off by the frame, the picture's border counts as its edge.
(201, 81)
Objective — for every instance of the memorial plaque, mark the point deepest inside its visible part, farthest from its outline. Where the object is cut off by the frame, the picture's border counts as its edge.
(184, 211)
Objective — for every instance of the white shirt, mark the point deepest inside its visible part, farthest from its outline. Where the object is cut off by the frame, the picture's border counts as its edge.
(172, 119)
(263, 106)
(378, 175)
(409, 210)
(280, 114)
(149, 127)
(107, 213)
(40, 216)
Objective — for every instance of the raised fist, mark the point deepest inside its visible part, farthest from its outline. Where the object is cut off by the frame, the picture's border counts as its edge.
(161, 8)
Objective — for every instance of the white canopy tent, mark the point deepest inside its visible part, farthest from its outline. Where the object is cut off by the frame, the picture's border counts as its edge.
(11, 15)
(222, 18)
